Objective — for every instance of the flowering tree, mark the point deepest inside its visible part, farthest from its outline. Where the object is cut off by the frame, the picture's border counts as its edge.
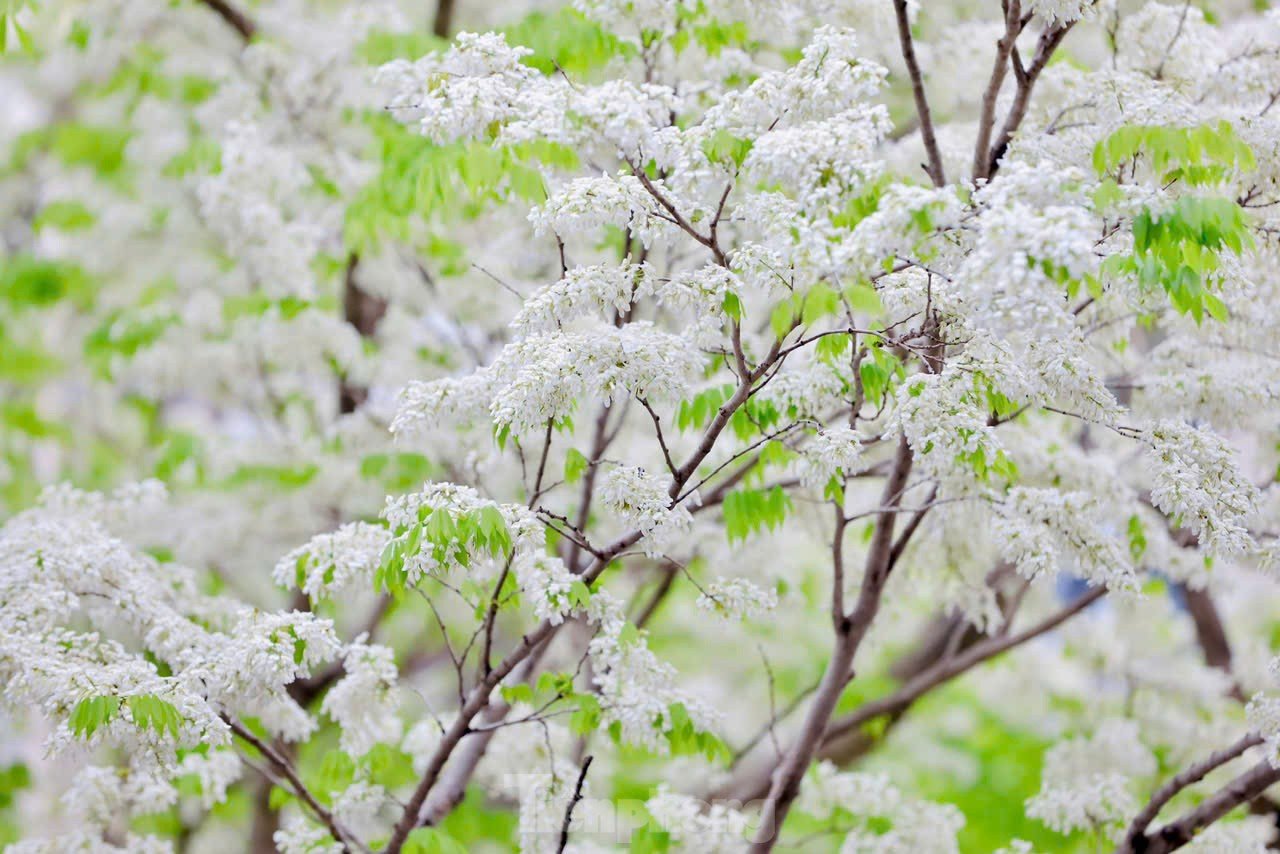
(645, 425)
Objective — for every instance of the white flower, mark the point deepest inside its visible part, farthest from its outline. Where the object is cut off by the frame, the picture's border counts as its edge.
(1086, 781)
(832, 452)
(1198, 484)
(364, 702)
(583, 291)
(586, 204)
(1046, 530)
(641, 501)
(331, 563)
(737, 598)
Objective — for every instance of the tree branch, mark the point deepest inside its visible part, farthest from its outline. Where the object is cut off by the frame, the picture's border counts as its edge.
(923, 113)
(577, 796)
(1135, 839)
(340, 835)
(234, 18)
(850, 631)
(1176, 834)
(1045, 47)
(986, 123)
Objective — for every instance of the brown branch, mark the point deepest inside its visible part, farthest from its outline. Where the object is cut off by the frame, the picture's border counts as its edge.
(1211, 634)
(1000, 67)
(1135, 840)
(850, 630)
(285, 768)
(577, 796)
(442, 23)
(1048, 43)
(364, 312)
(1045, 48)
(234, 18)
(1241, 790)
(923, 113)
(948, 669)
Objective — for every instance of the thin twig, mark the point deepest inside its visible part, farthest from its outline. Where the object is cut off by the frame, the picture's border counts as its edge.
(577, 796)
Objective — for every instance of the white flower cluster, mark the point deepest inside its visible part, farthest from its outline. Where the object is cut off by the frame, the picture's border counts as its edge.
(584, 291)
(67, 587)
(299, 836)
(254, 204)
(1045, 531)
(946, 424)
(334, 562)
(832, 452)
(1062, 11)
(913, 824)
(586, 204)
(460, 94)
(830, 76)
(544, 377)
(364, 702)
(737, 598)
(1196, 482)
(821, 160)
(641, 501)
(636, 688)
(718, 829)
(1086, 781)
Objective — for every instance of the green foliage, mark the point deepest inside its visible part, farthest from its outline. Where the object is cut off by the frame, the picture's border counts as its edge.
(805, 308)
(23, 418)
(398, 472)
(1179, 250)
(431, 840)
(203, 156)
(98, 148)
(13, 779)
(725, 148)
(686, 740)
(282, 477)
(150, 712)
(698, 411)
(649, 840)
(257, 304)
(1006, 772)
(575, 464)
(1202, 154)
(92, 713)
(22, 362)
(754, 417)
(747, 511)
(30, 282)
(141, 74)
(878, 371)
(1137, 537)
(421, 182)
(121, 335)
(451, 536)
(64, 215)
(13, 36)
(476, 821)
(565, 39)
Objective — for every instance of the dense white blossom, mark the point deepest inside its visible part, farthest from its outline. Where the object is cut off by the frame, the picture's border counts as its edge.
(1198, 483)
(641, 500)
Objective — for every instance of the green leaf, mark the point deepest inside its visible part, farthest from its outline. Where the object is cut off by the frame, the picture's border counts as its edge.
(92, 713)
(150, 712)
(575, 464)
(650, 840)
(431, 840)
(863, 297)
